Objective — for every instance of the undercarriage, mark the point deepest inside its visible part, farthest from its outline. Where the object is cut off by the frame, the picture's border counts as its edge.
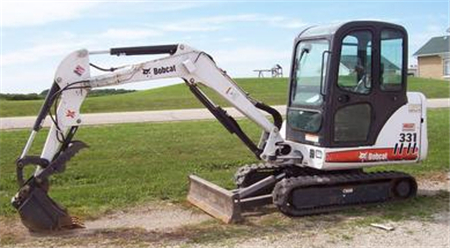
(298, 191)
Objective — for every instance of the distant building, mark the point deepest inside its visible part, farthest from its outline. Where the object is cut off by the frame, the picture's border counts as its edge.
(412, 71)
(433, 58)
(349, 62)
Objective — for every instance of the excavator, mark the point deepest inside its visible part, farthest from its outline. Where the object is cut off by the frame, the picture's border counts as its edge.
(347, 110)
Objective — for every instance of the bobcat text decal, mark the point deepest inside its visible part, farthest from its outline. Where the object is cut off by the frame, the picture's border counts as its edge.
(372, 155)
(159, 70)
(164, 69)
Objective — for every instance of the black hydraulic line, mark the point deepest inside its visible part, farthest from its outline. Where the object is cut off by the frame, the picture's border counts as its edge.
(277, 119)
(112, 69)
(66, 141)
(144, 50)
(226, 120)
(45, 109)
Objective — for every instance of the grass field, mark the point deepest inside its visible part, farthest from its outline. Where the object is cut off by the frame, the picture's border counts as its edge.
(268, 90)
(128, 164)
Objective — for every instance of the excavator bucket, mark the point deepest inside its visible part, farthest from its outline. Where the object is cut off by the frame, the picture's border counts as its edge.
(214, 200)
(39, 213)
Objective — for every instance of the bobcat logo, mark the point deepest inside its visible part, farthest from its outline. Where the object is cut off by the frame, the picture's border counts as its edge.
(363, 155)
(147, 72)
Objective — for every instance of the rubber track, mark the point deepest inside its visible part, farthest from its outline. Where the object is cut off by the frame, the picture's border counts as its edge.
(284, 189)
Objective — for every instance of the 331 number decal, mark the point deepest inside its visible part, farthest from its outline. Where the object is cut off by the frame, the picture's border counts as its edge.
(408, 137)
(407, 144)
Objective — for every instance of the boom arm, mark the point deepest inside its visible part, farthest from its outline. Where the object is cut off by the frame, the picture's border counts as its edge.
(73, 82)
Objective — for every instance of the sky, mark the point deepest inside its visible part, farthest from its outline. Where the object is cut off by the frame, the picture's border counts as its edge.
(240, 35)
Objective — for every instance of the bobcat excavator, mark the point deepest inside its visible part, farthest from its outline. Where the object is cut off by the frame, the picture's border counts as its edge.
(347, 110)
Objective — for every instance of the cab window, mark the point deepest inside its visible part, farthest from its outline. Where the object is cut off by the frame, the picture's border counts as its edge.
(391, 60)
(310, 66)
(355, 65)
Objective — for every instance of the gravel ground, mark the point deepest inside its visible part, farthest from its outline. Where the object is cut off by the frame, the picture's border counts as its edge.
(150, 218)
(165, 224)
(434, 233)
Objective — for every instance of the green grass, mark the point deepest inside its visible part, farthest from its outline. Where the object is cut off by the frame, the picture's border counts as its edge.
(432, 88)
(128, 164)
(272, 91)
(132, 163)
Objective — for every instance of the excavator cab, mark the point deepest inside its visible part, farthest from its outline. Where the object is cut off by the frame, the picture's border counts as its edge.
(346, 82)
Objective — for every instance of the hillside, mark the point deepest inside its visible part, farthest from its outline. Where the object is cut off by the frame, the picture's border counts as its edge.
(269, 90)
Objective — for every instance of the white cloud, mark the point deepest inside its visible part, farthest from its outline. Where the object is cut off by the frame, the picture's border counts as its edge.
(251, 54)
(291, 24)
(43, 48)
(193, 26)
(214, 23)
(40, 52)
(227, 39)
(129, 34)
(31, 13)
(166, 6)
(14, 80)
(240, 62)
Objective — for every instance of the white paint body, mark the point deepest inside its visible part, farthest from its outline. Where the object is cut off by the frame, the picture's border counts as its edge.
(197, 67)
(413, 114)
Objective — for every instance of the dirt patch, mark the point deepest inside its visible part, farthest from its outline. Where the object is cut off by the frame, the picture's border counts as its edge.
(150, 218)
(153, 223)
(433, 183)
(166, 224)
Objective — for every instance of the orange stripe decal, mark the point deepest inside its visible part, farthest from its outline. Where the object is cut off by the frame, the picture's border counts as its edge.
(371, 155)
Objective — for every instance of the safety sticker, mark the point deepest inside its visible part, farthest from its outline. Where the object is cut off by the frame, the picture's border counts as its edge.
(70, 113)
(312, 137)
(415, 108)
(409, 127)
(79, 70)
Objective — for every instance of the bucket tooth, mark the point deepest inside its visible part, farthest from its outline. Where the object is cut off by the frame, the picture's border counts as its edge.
(214, 200)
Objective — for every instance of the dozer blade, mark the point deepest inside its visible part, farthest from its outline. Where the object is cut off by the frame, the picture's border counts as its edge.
(214, 200)
(39, 213)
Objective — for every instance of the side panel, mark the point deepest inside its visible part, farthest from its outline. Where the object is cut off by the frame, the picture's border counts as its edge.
(403, 139)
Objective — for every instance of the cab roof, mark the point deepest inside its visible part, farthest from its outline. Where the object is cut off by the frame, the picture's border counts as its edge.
(331, 29)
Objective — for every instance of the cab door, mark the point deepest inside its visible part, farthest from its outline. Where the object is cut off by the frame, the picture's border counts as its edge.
(369, 85)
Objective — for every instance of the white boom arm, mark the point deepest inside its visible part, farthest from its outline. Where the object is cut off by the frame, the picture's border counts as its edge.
(73, 82)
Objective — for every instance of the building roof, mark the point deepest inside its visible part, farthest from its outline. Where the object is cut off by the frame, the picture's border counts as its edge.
(350, 61)
(436, 45)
